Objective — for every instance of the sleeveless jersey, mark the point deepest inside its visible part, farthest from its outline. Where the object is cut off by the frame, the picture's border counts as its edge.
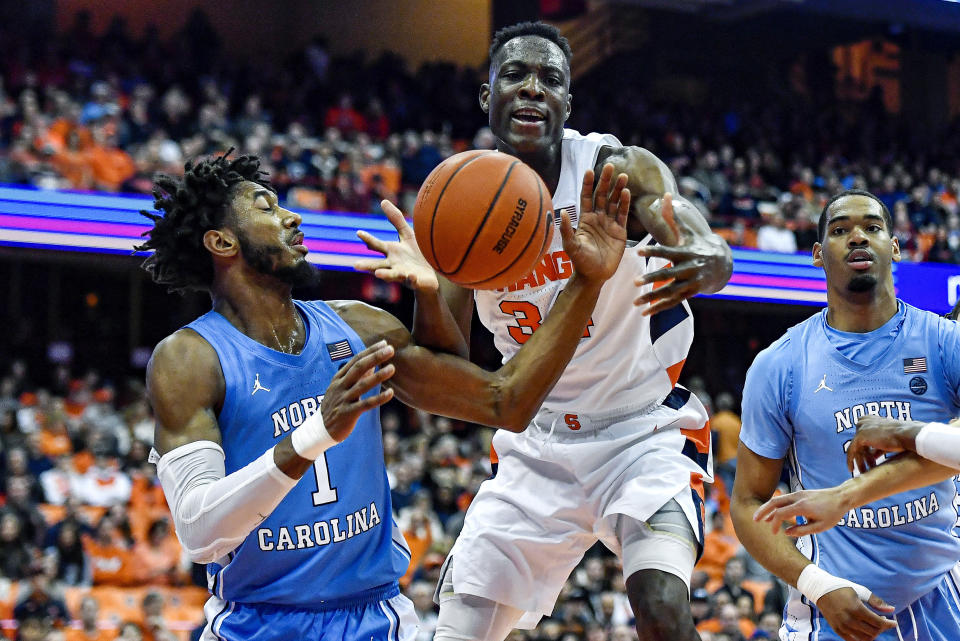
(801, 402)
(624, 359)
(333, 536)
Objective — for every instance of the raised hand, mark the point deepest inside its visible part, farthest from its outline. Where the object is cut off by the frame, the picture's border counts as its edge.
(343, 402)
(821, 509)
(596, 246)
(698, 261)
(402, 261)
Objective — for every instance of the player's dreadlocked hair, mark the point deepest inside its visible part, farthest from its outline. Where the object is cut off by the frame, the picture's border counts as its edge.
(191, 206)
(541, 29)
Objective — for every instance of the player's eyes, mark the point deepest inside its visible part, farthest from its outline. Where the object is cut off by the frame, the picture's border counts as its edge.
(836, 231)
(262, 203)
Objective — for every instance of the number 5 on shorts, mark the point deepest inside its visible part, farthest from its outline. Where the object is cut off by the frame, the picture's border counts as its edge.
(528, 316)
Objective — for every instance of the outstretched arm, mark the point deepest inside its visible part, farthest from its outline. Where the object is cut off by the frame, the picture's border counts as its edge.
(445, 384)
(213, 511)
(929, 457)
(842, 602)
(434, 324)
(702, 262)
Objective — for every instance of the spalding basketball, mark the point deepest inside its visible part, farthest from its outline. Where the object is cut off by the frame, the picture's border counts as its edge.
(483, 219)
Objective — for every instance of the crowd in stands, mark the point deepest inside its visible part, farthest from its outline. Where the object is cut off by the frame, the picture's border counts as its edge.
(106, 112)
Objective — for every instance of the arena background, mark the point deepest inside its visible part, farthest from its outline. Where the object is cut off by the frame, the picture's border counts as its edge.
(762, 108)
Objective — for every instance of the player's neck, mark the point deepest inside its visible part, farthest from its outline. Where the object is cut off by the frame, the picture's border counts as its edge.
(545, 162)
(861, 313)
(266, 314)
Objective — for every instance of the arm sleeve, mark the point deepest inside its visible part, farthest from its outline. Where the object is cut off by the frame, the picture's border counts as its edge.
(940, 443)
(214, 512)
(766, 428)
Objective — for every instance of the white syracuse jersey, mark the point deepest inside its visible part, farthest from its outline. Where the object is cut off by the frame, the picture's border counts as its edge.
(625, 359)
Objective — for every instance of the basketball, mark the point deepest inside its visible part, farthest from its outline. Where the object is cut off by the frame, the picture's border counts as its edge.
(483, 219)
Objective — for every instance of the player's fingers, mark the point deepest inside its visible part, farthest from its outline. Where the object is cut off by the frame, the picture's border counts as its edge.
(672, 301)
(619, 190)
(372, 242)
(762, 513)
(623, 209)
(586, 191)
(370, 264)
(875, 624)
(810, 527)
(683, 271)
(369, 402)
(877, 603)
(567, 234)
(671, 290)
(370, 379)
(674, 254)
(395, 216)
(394, 276)
(602, 193)
(364, 361)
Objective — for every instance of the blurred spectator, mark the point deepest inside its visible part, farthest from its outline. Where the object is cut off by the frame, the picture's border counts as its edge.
(155, 625)
(88, 630)
(733, 576)
(58, 483)
(69, 555)
(103, 483)
(16, 554)
(421, 593)
(37, 600)
(109, 554)
(726, 425)
(159, 557)
(775, 237)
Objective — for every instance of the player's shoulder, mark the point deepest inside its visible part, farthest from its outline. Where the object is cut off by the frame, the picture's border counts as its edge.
(185, 347)
(574, 136)
(781, 354)
(187, 358)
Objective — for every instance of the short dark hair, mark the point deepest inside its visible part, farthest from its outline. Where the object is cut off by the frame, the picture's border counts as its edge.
(541, 29)
(822, 223)
(191, 206)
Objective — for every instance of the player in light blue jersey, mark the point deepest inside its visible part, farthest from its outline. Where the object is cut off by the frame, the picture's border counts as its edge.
(887, 570)
(268, 436)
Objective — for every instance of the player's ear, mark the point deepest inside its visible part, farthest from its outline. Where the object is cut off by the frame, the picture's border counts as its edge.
(817, 255)
(569, 107)
(485, 97)
(896, 249)
(221, 242)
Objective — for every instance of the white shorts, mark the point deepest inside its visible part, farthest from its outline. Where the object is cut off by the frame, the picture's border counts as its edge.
(559, 490)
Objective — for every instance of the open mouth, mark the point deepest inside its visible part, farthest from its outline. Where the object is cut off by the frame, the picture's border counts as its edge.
(528, 116)
(860, 259)
(297, 242)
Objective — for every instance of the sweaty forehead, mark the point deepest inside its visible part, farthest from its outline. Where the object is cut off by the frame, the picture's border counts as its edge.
(855, 205)
(532, 50)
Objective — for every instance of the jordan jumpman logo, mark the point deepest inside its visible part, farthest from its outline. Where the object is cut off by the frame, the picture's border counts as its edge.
(257, 386)
(823, 385)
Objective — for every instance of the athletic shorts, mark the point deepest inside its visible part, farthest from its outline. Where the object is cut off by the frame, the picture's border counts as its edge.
(565, 483)
(391, 618)
(933, 617)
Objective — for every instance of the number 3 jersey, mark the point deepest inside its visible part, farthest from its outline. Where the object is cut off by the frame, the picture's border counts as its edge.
(624, 359)
(333, 536)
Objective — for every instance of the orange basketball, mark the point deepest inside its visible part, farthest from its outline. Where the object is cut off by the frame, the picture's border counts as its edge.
(483, 219)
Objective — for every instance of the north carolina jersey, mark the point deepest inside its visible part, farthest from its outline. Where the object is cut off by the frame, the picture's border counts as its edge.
(333, 536)
(802, 399)
(624, 359)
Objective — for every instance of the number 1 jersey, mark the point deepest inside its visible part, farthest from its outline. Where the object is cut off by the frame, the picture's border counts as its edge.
(333, 535)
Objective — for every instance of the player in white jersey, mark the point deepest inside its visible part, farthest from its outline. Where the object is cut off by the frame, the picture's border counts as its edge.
(616, 447)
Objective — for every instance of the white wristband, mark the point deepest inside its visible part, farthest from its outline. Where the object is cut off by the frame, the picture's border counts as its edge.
(814, 582)
(939, 443)
(311, 439)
